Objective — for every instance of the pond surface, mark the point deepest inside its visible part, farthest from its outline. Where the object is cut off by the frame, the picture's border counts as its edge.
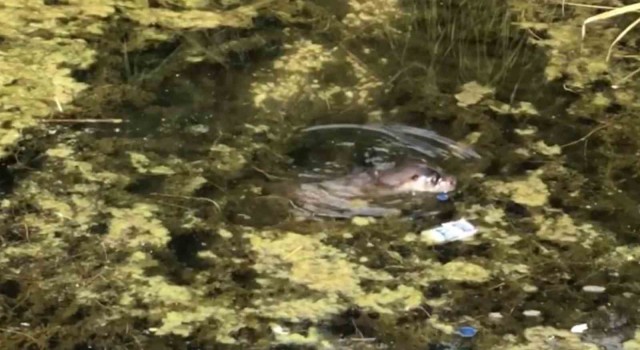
(139, 212)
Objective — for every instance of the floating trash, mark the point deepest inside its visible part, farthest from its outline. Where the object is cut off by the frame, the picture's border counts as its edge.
(449, 232)
(279, 330)
(467, 331)
(593, 289)
(442, 197)
(579, 328)
(495, 316)
(532, 313)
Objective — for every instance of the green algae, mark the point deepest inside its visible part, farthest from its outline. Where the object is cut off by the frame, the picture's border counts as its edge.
(520, 108)
(563, 230)
(326, 272)
(227, 159)
(312, 264)
(136, 227)
(472, 93)
(141, 163)
(298, 310)
(389, 301)
(531, 191)
(456, 271)
(312, 337)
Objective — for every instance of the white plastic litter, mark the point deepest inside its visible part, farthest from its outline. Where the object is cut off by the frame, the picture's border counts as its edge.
(449, 232)
(579, 328)
(532, 313)
(278, 329)
(593, 289)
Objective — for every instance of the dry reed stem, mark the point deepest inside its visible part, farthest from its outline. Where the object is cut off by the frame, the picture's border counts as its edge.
(610, 14)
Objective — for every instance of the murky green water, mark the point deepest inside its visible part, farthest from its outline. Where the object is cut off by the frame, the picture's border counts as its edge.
(160, 233)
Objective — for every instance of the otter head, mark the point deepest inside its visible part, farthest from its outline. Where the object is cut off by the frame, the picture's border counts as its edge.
(417, 177)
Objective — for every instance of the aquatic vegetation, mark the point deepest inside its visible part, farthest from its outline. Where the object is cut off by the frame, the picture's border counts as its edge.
(563, 230)
(547, 150)
(128, 233)
(372, 16)
(24, 91)
(609, 14)
(461, 272)
(632, 344)
(312, 338)
(227, 159)
(472, 93)
(544, 337)
(304, 59)
(531, 191)
(141, 163)
(520, 108)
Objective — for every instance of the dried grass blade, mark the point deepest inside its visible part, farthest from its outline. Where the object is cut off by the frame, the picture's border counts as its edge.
(609, 14)
(620, 36)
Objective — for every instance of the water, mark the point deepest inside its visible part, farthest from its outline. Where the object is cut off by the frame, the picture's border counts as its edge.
(157, 232)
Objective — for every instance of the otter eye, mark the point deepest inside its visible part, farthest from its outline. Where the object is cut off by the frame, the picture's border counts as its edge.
(415, 177)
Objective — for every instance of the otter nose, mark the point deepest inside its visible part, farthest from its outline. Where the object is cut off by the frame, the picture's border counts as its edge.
(452, 181)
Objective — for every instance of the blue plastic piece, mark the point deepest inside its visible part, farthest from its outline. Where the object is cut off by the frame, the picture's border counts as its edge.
(442, 197)
(467, 332)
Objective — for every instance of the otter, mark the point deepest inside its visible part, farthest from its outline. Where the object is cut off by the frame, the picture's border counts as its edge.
(351, 195)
